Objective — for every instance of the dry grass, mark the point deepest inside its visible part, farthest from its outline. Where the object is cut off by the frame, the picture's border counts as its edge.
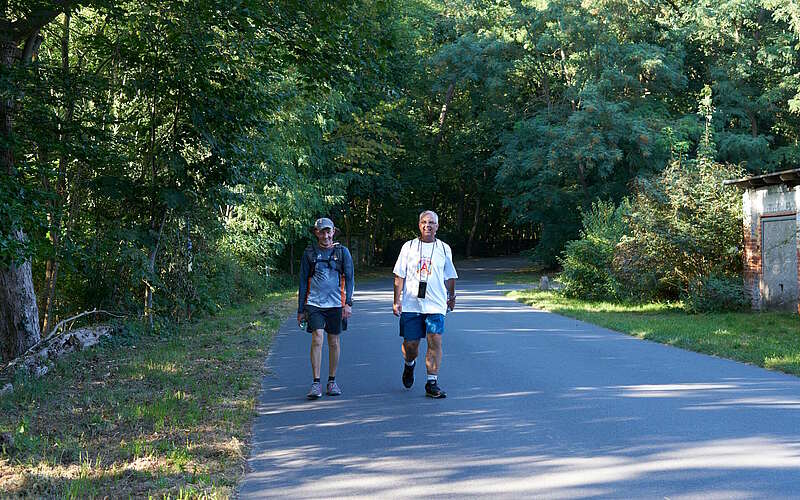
(162, 415)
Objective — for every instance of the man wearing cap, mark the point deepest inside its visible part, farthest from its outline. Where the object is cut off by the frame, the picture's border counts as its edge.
(324, 300)
(425, 280)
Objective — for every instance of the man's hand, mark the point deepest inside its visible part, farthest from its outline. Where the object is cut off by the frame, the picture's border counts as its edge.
(397, 307)
(347, 311)
(300, 318)
(451, 302)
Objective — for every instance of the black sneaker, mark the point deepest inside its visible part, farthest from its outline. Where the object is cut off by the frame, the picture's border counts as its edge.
(432, 390)
(408, 375)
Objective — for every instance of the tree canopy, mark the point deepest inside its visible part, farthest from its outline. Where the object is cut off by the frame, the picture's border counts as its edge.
(161, 158)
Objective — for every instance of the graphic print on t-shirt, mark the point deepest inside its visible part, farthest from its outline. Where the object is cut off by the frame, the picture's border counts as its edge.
(424, 268)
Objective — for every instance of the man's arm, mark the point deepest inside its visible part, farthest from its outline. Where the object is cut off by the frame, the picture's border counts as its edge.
(399, 278)
(397, 306)
(451, 293)
(349, 284)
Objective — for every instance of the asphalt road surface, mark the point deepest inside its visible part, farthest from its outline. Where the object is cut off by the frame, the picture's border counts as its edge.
(538, 406)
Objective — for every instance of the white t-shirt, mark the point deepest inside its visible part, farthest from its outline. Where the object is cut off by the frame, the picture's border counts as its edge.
(431, 262)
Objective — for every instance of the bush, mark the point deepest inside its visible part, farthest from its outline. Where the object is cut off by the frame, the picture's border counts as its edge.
(587, 262)
(684, 225)
(636, 271)
(715, 293)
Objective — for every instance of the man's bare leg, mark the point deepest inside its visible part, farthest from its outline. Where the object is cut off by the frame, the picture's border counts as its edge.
(316, 352)
(334, 350)
(433, 360)
(316, 360)
(410, 350)
(433, 356)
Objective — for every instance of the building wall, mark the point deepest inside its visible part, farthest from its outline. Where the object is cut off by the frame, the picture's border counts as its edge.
(758, 203)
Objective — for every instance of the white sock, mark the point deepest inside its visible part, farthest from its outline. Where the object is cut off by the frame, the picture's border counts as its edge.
(410, 363)
(432, 377)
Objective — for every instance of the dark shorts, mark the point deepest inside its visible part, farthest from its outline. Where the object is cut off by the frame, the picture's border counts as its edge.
(324, 318)
(414, 326)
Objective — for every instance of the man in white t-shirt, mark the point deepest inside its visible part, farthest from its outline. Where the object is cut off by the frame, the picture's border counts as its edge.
(426, 277)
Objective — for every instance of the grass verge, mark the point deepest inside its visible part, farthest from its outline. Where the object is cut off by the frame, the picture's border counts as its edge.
(769, 340)
(144, 415)
(524, 276)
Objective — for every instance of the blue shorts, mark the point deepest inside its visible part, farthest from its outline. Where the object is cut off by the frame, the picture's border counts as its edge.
(414, 326)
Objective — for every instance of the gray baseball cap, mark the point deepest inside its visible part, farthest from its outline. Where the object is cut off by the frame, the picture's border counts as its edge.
(323, 222)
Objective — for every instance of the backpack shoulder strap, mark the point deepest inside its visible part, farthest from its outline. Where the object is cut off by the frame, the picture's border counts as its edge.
(339, 256)
(308, 254)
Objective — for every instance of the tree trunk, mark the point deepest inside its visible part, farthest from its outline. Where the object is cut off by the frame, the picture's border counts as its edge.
(460, 207)
(19, 314)
(584, 185)
(751, 115)
(50, 278)
(347, 234)
(151, 258)
(51, 273)
(474, 224)
(567, 79)
(546, 88)
(376, 230)
(151, 269)
(369, 237)
(7, 57)
(443, 113)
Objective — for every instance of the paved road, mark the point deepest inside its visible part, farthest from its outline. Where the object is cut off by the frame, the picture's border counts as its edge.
(538, 406)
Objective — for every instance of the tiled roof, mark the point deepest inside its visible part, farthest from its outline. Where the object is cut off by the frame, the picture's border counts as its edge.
(789, 177)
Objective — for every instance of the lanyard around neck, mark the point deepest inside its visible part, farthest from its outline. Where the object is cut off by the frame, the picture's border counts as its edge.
(430, 259)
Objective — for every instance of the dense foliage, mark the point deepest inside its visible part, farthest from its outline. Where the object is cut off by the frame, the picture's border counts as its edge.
(680, 236)
(160, 158)
(587, 262)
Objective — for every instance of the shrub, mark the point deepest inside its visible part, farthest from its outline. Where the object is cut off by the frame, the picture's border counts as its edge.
(636, 271)
(714, 293)
(587, 262)
(684, 224)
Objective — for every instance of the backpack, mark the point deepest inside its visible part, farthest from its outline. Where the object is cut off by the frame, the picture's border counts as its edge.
(337, 256)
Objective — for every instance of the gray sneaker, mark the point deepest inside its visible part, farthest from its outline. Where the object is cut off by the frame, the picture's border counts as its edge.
(333, 389)
(315, 392)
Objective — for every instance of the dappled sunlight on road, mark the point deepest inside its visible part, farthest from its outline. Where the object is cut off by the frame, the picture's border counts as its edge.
(669, 390)
(500, 395)
(399, 458)
(538, 406)
(715, 396)
(403, 473)
(765, 402)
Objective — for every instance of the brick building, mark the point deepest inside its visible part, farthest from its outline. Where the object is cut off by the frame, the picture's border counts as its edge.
(771, 205)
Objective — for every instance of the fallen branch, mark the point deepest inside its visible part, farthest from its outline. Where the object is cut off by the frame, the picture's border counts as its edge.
(85, 313)
(54, 333)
